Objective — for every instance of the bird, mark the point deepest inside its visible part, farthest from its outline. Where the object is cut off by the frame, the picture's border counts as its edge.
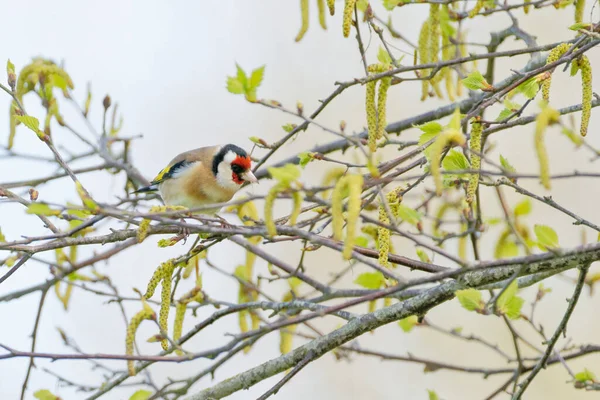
(202, 176)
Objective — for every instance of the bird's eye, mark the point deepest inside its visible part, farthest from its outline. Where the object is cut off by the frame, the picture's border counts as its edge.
(236, 168)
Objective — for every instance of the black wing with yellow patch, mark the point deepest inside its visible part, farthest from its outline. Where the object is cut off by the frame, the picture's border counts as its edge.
(167, 173)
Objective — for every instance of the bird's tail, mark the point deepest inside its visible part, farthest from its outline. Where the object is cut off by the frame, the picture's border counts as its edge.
(146, 189)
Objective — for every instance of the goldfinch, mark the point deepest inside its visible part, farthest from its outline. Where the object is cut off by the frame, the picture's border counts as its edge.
(203, 176)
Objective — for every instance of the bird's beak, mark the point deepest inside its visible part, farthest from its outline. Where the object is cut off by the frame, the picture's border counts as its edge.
(248, 176)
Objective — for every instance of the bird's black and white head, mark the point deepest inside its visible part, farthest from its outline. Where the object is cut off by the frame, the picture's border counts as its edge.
(231, 167)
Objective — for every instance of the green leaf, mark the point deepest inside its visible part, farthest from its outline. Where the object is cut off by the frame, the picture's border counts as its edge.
(241, 76)
(423, 256)
(41, 209)
(433, 395)
(509, 303)
(470, 299)
(45, 394)
(390, 4)
(408, 323)
(234, 85)
(546, 236)
(294, 282)
(31, 122)
(476, 81)
(585, 375)
(305, 158)
(506, 165)
(289, 127)
(432, 128)
(370, 280)
(141, 395)
(504, 114)
(513, 307)
(529, 88)
(286, 174)
(455, 160)
(506, 249)
(256, 77)
(523, 208)
(408, 214)
(384, 57)
(361, 241)
(580, 25)
(10, 67)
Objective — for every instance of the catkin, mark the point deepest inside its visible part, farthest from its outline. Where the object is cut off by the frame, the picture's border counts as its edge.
(477, 8)
(371, 115)
(321, 7)
(269, 203)
(579, 10)
(475, 146)
(297, 207)
(165, 302)
(355, 184)
(586, 98)
(347, 19)
(555, 54)
(546, 117)
(331, 6)
(304, 26)
(337, 207)
(424, 56)
(136, 320)
(178, 323)
(381, 106)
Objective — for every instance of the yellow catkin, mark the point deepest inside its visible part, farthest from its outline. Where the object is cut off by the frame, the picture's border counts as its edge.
(355, 184)
(434, 44)
(587, 95)
(424, 56)
(478, 6)
(383, 234)
(371, 115)
(337, 209)
(475, 146)
(142, 232)
(382, 105)
(387, 301)
(304, 26)
(450, 136)
(165, 302)
(446, 72)
(286, 336)
(321, 7)
(444, 208)
(347, 18)
(526, 6)
(136, 320)
(545, 118)
(297, 207)
(331, 6)
(331, 176)
(579, 9)
(269, 202)
(255, 320)
(504, 236)
(554, 55)
(154, 281)
(178, 323)
(372, 306)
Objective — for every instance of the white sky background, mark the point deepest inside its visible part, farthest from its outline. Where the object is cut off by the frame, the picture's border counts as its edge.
(166, 65)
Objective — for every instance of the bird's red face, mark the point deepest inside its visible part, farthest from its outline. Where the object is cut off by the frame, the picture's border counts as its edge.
(240, 170)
